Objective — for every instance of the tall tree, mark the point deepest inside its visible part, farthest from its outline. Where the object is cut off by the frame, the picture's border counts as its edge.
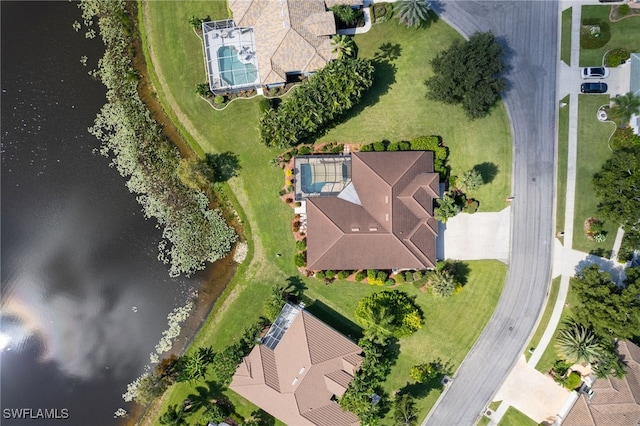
(618, 186)
(343, 45)
(612, 312)
(469, 73)
(625, 106)
(404, 411)
(413, 13)
(174, 416)
(577, 344)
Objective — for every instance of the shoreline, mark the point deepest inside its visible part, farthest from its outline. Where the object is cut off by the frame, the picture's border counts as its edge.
(216, 277)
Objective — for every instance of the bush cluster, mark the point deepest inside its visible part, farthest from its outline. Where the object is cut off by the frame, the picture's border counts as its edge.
(317, 102)
(594, 33)
(382, 12)
(624, 137)
(617, 57)
(375, 277)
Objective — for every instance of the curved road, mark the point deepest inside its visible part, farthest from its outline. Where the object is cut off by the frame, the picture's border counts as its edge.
(529, 30)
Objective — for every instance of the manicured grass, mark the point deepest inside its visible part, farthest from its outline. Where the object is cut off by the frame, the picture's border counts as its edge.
(178, 66)
(397, 109)
(484, 421)
(513, 417)
(470, 310)
(544, 321)
(549, 356)
(624, 33)
(563, 147)
(565, 42)
(593, 151)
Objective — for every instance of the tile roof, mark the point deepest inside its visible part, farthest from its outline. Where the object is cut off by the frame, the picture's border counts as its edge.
(290, 35)
(615, 401)
(392, 227)
(295, 379)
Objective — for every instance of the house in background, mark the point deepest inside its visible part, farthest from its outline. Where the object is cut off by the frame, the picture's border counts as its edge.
(369, 210)
(298, 368)
(268, 42)
(614, 401)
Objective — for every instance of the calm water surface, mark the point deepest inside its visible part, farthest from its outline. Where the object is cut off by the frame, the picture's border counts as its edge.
(84, 299)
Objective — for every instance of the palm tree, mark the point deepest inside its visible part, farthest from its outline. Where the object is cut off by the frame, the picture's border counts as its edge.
(446, 209)
(470, 180)
(413, 13)
(443, 283)
(343, 45)
(173, 416)
(624, 107)
(377, 321)
(404, 410)
(578, 344)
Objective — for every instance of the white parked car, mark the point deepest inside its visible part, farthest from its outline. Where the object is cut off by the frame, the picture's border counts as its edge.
(595, 72)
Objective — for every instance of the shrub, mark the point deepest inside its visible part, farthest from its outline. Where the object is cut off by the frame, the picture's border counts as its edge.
(573, 380)
(624, 10)
(382, 276)
(288, 172)
(408, 276)
(320, 275)
(471, 206)
(440, 152)
(366, 148)
(290, 188)
(594, 33)
(399, 278)
(616, 57)
(624, 138)
(301, 245)
(330, 274)
(360, 275)
(343, 275)
(596, 226)
(282, 192)
(600, 238)
(382, 12)
(417, 275)
(286, 156)
(218, 99)
(378, 146)
(301, 259)
(389, 283)
(305, 150)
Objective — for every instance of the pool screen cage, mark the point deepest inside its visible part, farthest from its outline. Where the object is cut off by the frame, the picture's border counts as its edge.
(230, 54)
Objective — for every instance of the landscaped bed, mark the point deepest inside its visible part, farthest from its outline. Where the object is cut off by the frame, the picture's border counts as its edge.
(178, 67)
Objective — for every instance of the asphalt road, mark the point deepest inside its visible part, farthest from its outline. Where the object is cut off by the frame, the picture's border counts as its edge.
(529, 30)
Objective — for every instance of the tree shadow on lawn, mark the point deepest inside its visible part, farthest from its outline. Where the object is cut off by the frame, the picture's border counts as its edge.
(225, 165)
(487, 170)
(335, 320)
(460, 271)
(204, 395)
(384, 75)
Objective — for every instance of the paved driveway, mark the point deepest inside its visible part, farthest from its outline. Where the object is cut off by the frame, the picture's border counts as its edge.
(533, 393)
(476, 236)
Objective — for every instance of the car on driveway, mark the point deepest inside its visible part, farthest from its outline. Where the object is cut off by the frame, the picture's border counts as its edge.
(593, 87)
(595, 72)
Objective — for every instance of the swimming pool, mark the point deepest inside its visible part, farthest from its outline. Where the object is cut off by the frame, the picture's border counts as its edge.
(232, 71)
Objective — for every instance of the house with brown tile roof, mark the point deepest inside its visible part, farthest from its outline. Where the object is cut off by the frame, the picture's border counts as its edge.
(615, 402)
(291, 36)
(300, 365)
(369, 210)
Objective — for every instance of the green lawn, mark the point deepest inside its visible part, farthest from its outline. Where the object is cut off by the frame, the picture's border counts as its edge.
(513, 417)
(563, 147)
(565, 42)
(624, 33)
(178, 66)
(544, 321)
(549, 356)
(396, 108)
(593, 151)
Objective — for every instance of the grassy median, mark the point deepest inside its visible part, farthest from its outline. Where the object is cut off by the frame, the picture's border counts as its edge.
(565, 41)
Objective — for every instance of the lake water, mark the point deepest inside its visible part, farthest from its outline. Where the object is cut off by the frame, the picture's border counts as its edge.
(84, 298)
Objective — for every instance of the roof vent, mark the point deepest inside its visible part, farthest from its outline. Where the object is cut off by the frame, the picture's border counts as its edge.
(355, 229)
(373, 229)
